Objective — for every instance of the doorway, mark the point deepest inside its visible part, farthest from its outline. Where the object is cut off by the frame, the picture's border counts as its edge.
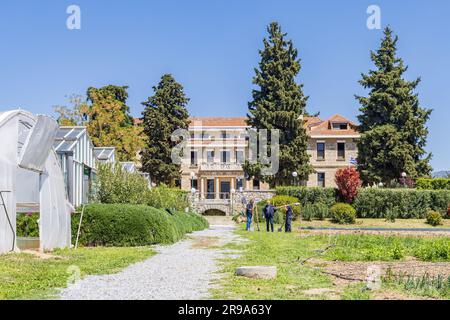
(225, 187)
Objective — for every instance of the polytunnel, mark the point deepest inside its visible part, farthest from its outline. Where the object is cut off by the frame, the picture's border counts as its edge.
(31, 180)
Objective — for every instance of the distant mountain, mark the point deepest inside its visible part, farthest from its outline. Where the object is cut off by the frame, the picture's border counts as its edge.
(440, 174)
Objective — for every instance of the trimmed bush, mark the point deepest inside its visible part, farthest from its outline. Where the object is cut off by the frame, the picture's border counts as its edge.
(402, 203)
(310, 194)
(434, 218)
(433, 183)
(342, 213)
(123, 225)
(318, 211)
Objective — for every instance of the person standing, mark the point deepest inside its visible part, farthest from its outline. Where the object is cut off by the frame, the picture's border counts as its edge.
(249, 211)
(269, 212)
(289, 215)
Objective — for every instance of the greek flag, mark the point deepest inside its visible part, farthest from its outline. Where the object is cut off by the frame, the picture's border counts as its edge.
(353, 161)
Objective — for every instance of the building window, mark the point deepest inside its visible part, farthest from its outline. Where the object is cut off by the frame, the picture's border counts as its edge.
(321, 179)
(320, 151)
(341, 150)
(225, 156)
(240, 156)
(210, 156)
(239, 183)
(194, 184)
(256, 184)
(193, 158)
(210, 189)
(340, 126)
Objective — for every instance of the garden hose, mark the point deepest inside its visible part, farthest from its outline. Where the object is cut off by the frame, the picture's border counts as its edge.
(9, 220)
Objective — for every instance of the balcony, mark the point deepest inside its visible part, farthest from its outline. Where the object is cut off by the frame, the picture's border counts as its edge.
(221, 166)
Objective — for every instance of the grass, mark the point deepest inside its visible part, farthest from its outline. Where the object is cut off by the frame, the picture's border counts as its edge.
(386, 248)
(295, 280)
(26, 276)
(281, 250)
(372, 223)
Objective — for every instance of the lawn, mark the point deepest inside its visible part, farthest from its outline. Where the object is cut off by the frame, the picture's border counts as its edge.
(373, 223)
(305, 281)
(26, 276)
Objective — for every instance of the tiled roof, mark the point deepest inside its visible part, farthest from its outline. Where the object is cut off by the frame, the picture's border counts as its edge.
(324, 128)
(314, 125)
(219, 121)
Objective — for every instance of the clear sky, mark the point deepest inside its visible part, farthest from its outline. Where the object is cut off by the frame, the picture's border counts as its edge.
(211, 47)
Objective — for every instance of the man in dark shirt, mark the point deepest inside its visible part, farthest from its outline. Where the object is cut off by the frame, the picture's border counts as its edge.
(289, 215)
(269, 212)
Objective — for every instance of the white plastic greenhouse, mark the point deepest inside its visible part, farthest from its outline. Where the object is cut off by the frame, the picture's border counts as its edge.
(31, 180)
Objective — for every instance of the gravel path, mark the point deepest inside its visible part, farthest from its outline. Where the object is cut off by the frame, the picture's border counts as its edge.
(181, 271)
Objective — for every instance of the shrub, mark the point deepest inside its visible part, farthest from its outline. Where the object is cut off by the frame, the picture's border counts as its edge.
(403, 203)
(348, 183)
(115, 185)
(315, 211)
(27, 225)
(342, 213)
(433, 183)
(165, 197)
(434, 218)
(310, 194)
(133, 225)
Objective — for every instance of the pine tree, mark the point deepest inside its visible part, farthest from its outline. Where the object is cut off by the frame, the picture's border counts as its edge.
(392, 123)
(164, 112)
(279, 103)
(109, 122)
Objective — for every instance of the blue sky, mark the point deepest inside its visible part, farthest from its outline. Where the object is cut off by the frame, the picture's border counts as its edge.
(211, 47)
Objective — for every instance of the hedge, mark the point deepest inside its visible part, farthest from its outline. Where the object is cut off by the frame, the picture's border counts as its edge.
(403, 203)
(433, 184)
(133, 225)
(278, 201)
(310, 195)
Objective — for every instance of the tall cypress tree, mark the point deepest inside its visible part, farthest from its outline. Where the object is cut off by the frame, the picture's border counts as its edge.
(164, 112)
(392, 122)
(279, 103)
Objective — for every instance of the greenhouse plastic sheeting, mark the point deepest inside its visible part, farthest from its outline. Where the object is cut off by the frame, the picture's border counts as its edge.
(8, 165)
(17, 129)
(38, 144)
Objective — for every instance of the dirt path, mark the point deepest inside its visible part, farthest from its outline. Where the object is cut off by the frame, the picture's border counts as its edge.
(184, 270)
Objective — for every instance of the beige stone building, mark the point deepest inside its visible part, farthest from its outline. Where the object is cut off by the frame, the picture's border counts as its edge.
(218, 146)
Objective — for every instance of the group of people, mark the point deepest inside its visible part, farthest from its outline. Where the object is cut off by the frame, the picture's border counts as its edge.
(269, 213)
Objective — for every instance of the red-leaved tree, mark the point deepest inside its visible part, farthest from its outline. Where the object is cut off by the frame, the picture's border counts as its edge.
(348, 183)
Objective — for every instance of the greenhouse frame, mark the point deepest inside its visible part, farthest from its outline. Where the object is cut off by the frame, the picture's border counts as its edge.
(31, 180)
(76, 155)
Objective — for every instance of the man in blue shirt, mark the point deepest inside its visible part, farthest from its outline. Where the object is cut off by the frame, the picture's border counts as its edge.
(269, 212)
(249, 211)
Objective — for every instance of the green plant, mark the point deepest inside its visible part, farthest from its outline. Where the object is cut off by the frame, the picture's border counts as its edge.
(342, 213)
(404, 203)
(27, 225)
(310, 195)
(433, 183)
(318, 211)
(434, 218)
(133, 225)
(391, 214)
(164, 197)
(434, 250)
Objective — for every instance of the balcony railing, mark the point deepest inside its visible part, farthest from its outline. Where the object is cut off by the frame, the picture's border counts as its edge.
(221, 166)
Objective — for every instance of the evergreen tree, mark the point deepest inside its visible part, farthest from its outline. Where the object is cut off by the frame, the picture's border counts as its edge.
(164, 113)
(109, 122)
(392, 123)
(279, 103)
